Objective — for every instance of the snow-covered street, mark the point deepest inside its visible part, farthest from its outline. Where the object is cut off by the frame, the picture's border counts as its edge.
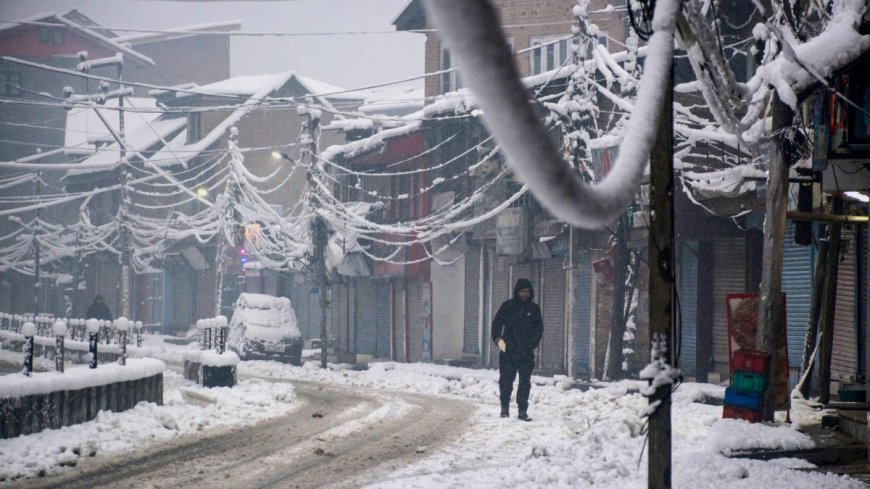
(401, 425)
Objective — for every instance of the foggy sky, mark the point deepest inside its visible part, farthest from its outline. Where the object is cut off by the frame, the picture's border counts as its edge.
(346, 60)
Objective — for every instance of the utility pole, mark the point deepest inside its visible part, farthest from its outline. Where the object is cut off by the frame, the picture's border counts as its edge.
(829, 304)
(85, 66)
(36, 249)
(122, 210)
(318, 229)
(769, 330)
(661, 290)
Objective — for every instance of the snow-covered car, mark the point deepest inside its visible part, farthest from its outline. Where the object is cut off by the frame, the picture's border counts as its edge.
(264, 327)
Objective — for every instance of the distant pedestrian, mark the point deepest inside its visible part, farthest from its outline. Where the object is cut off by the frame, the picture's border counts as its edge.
(99, 310)
(516, 331)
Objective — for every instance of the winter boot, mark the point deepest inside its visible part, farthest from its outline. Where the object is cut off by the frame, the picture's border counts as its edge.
(523, 416)
(504, 412)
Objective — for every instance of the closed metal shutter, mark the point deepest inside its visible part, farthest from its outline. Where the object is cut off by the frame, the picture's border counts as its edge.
(797, 283)
(501, 291)
(398, 291)
(583, 314)
(844, 360)
(351, 314)
(382, 318)
(415, 321)
(688, 288)
(729, 277)
(861, 298)
(340, 308)
(552, 300)
(364, 322)
(314, 315)
(472, 302)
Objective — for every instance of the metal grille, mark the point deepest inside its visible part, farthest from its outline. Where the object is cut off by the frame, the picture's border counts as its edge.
(552, 298)
(688, 289)
(844, 360)
(797, 283)
(472, 302)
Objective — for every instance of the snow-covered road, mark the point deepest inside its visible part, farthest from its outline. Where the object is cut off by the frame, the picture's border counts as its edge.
(337, 434)
(401, 425)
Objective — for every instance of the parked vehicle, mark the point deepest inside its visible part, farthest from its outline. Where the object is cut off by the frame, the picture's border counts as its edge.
(264, 327)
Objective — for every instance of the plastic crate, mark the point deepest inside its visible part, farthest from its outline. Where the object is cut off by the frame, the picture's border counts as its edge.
(748, 382)
(748, 400)
(741, 413)
(752, 361)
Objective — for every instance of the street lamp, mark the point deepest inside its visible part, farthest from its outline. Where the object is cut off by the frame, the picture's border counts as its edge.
(202, 192)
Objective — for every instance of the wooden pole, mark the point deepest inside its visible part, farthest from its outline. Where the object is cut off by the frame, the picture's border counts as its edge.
(807, 360)
(828, 306)
(661, 288)
(770, 326)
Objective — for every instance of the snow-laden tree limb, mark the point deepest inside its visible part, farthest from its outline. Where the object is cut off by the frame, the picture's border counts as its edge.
(471, 29)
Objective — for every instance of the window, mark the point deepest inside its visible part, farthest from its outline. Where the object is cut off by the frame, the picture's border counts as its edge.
(10, 83)
(548, 53)
(602, 40)
(194, 127)
(44, 35)
(450, 81)
(57, 36)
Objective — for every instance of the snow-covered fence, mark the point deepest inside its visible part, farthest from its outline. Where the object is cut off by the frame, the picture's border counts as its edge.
(50, 400)
(80, 338)
(212, 366)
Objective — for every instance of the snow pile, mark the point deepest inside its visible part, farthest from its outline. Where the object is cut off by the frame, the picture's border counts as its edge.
(212, 358)
(187, 410)
(577, 439)
(728, 435)
(78, 377)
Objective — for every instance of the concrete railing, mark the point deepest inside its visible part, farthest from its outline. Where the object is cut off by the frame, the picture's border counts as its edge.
(50, 400)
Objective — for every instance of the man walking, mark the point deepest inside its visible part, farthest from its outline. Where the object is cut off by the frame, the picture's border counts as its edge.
(98, 310)
(516, 331)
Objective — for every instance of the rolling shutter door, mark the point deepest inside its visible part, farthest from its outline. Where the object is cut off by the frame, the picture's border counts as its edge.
(729, 274)
(351, 314)
(472, 302)
(861, 299)
(688, 288)
(844, 360)
(583, 314)
(797, 283)
(552, 300)
(366, 333)
(382, 318)
(501, 291)
(398, 325)
(415, 321)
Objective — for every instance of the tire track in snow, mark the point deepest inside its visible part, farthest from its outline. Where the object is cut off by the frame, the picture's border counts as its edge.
(339, 436)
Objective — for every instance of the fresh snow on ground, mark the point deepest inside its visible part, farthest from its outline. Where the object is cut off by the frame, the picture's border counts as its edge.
(576, 439)
(188, 409)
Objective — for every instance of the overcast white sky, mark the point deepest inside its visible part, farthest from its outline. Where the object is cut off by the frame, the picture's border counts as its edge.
(345, 60)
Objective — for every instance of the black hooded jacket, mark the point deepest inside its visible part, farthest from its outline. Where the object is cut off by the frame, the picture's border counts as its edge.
(98, 310)
(519, 323)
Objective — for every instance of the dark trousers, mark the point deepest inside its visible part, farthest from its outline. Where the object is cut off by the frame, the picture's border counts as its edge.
(508, 367)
